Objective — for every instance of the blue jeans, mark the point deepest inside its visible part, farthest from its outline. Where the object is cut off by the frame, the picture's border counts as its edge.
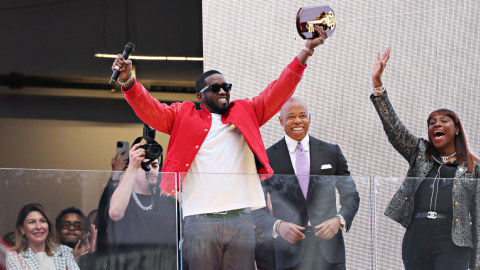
(219, 242)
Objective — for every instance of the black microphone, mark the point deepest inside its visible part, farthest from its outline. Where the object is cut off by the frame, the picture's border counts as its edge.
(126, 53)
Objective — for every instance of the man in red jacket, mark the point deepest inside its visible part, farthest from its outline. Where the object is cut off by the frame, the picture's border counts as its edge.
(219, 157)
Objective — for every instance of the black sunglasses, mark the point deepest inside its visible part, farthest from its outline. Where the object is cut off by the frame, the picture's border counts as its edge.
(76, 225)
(227, 87)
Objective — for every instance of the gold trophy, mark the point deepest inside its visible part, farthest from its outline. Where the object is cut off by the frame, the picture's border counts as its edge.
(307, 17)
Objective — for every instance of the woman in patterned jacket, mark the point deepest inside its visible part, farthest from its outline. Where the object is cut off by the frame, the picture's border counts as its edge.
(441, 215)
(35, 248)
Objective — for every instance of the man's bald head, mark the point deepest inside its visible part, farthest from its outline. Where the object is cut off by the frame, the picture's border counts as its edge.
(286, 106)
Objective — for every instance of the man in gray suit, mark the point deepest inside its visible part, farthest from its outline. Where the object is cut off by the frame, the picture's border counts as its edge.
(302, 216)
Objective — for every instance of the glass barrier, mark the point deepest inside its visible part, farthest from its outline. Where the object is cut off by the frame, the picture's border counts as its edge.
(133, 229)
(274, 221)
(208, 238)
(426, 223)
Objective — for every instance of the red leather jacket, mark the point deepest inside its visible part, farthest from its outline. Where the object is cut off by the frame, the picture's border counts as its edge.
(188, 127)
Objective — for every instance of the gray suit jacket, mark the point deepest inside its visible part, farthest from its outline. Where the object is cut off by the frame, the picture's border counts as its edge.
(466, 215)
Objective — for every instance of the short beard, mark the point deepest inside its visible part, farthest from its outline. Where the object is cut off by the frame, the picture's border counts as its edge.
(217, 109)
(70, 244)
(221, 110)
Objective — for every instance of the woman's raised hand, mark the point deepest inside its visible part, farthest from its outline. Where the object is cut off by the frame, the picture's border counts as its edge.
(379, 66)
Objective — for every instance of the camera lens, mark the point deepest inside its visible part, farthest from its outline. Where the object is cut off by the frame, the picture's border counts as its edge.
(155, 150)
(119, 144)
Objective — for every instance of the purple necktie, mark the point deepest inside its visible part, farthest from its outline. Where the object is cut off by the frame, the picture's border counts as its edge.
(303, 169)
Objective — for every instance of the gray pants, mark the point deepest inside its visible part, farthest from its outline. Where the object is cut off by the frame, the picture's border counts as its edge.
(219, 241)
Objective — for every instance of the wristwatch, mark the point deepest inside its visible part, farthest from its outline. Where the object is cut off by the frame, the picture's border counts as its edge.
(342, 222)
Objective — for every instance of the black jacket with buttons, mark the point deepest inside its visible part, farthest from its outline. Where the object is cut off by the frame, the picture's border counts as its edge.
(466, 213)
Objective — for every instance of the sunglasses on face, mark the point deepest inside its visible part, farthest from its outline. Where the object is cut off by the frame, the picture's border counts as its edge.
(76, 225)
(216, 88)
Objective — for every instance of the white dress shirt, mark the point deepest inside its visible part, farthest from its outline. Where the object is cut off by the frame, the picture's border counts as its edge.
(292, 149)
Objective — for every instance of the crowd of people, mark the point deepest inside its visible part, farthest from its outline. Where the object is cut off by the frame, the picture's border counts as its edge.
(287, 218)
(125, 236)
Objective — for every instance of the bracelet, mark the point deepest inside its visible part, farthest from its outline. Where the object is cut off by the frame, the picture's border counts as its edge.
(277, 224)
(129, 80)
(308, 50)
(378, 91)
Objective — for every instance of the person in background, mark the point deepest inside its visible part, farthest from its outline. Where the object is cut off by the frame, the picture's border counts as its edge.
(9, 238)
(119, 165)
(35, 246)
(91, 218)
(440, 204)
(71, 231)
(141, 225)
(75, 231)
(304, 220)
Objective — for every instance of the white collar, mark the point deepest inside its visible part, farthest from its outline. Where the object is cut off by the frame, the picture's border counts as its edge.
(292, 144)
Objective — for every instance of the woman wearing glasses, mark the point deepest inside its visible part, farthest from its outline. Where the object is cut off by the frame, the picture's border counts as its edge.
(35, 247)
(441, 216)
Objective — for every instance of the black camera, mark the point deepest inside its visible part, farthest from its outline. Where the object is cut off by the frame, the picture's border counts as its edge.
(152, 150)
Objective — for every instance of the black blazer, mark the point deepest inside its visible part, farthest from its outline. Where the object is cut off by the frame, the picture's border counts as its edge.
(289, 204)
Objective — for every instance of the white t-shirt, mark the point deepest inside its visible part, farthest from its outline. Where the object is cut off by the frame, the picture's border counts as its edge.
(223, 175)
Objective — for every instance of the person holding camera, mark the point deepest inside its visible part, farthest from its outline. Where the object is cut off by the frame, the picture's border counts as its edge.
(119, 165)
(133, 222)
(224, 138)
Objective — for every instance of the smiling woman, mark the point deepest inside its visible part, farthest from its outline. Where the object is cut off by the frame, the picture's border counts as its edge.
(35, 247)
(439, 205)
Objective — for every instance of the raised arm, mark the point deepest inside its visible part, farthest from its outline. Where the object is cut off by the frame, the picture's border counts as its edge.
(270, 101)
(152, 112)
(398, 135)
(475, 214)
(121, 196)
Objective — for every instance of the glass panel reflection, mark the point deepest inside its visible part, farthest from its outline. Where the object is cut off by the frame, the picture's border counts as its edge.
(88, 220)
(288, 226)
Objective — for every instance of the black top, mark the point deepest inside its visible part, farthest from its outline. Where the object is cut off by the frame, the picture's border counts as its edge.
(423, 195)
(144, 235)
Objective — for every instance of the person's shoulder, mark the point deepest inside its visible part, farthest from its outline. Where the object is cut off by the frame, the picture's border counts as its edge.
(237, 103)
(64, 248)
(276, 145)
(12, 253)
(316, 141)
(184, 104)
(15, 258)
(476, 165)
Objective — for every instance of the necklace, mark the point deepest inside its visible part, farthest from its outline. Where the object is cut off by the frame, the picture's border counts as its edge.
(139, 203)
(436, 180)
(444, 158)
(433, 214)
